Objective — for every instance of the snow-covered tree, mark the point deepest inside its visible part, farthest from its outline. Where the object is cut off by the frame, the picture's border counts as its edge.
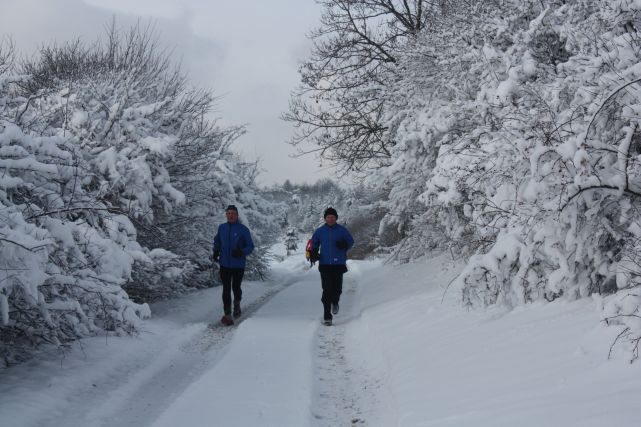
(516, 140)
(99, 146)
(340, 105)
(291, 240)
(68, 245)
(512, 129)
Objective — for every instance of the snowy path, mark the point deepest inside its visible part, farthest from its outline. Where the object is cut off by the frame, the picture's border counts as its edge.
(397, 354)
(282, 367)
(124, 381)
(343, 389)
(170, 374)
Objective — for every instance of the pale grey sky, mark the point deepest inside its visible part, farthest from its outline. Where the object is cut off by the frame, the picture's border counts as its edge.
(247, 51)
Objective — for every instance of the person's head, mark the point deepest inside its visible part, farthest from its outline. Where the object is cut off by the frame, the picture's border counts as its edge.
(231, 213)
(330, 216)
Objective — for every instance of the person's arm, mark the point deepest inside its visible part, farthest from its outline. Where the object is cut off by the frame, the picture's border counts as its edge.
(249, 243)
(216, 246)
(349, 239)
(313, 253)
(316, 241)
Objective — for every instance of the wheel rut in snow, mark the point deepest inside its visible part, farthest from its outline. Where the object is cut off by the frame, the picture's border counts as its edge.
(345, 395)
(195, 357)
(217, 333)
(142, 389)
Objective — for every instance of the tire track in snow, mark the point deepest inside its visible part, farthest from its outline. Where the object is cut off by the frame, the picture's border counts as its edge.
(345, 394)
(217, 333)
(196, 356)
(142, 387)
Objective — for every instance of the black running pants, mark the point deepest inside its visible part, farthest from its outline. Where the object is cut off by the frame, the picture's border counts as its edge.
(231, 278)
(332, 282)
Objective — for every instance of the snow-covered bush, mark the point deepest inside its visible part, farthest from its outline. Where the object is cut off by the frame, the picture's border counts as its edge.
(99, 145)
(65, 254)
(625, 310)
(514, 140)
(291, 240)
(515, 129)
(512, 134)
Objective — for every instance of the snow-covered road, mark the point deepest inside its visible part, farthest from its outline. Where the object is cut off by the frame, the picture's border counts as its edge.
(397, 355)
(125, 381)
(283, 368)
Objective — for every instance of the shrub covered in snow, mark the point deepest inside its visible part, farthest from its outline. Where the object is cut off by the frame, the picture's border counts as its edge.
(513, 136)
(291, 240)
(105, 152)
(518, 141)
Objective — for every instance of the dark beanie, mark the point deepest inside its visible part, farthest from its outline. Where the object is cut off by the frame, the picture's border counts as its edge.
(232, 208)
(330, 211)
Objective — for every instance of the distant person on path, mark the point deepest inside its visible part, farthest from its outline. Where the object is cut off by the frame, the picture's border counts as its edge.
(232, 244)
(330, 244)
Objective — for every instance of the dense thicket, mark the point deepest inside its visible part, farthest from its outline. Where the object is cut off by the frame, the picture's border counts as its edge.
(112, 176)
(513, 136)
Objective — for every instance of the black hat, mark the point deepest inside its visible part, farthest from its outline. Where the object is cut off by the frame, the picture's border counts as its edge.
(330, 211)
(232, 208)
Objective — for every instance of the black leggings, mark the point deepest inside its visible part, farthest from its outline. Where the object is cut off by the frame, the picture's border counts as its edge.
(231, 278)
(332, 281)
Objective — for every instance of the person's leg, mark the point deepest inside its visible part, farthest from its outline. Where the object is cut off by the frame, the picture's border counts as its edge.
(237, 279)
(336, 288)
(226, 278)
(326, 299)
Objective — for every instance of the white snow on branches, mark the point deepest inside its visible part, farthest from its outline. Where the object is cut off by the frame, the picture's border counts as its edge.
(518, 142)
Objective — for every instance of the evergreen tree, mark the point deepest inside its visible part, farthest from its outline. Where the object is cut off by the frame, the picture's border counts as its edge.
(291, 240)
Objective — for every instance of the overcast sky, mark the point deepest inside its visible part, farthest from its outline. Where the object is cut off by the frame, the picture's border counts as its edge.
(247, 51)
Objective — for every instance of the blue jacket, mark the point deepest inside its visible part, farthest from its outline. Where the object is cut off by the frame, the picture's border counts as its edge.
(325, 238)
(232, 236)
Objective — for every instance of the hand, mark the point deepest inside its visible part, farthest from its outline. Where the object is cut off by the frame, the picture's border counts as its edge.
(237, 253)
(314, 256)
(341, 244)
(216, 256)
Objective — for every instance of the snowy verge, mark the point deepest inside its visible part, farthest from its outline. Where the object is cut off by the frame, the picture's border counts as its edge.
(540, 364)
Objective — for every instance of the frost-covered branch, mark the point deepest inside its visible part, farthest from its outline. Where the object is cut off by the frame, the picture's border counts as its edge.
(339, 107)
(598, 187)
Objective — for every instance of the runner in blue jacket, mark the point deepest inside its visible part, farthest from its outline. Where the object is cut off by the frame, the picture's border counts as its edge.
(330, 244)
(232, 244)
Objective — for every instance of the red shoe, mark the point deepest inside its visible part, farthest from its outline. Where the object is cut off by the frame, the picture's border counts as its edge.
(227, 320)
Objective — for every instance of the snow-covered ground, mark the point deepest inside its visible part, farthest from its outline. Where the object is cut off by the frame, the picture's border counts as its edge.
(399, 354)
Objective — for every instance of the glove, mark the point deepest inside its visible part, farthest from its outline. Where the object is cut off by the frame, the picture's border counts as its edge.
(341, 244)
(313, 256)
(237, 253)
(216, 255)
